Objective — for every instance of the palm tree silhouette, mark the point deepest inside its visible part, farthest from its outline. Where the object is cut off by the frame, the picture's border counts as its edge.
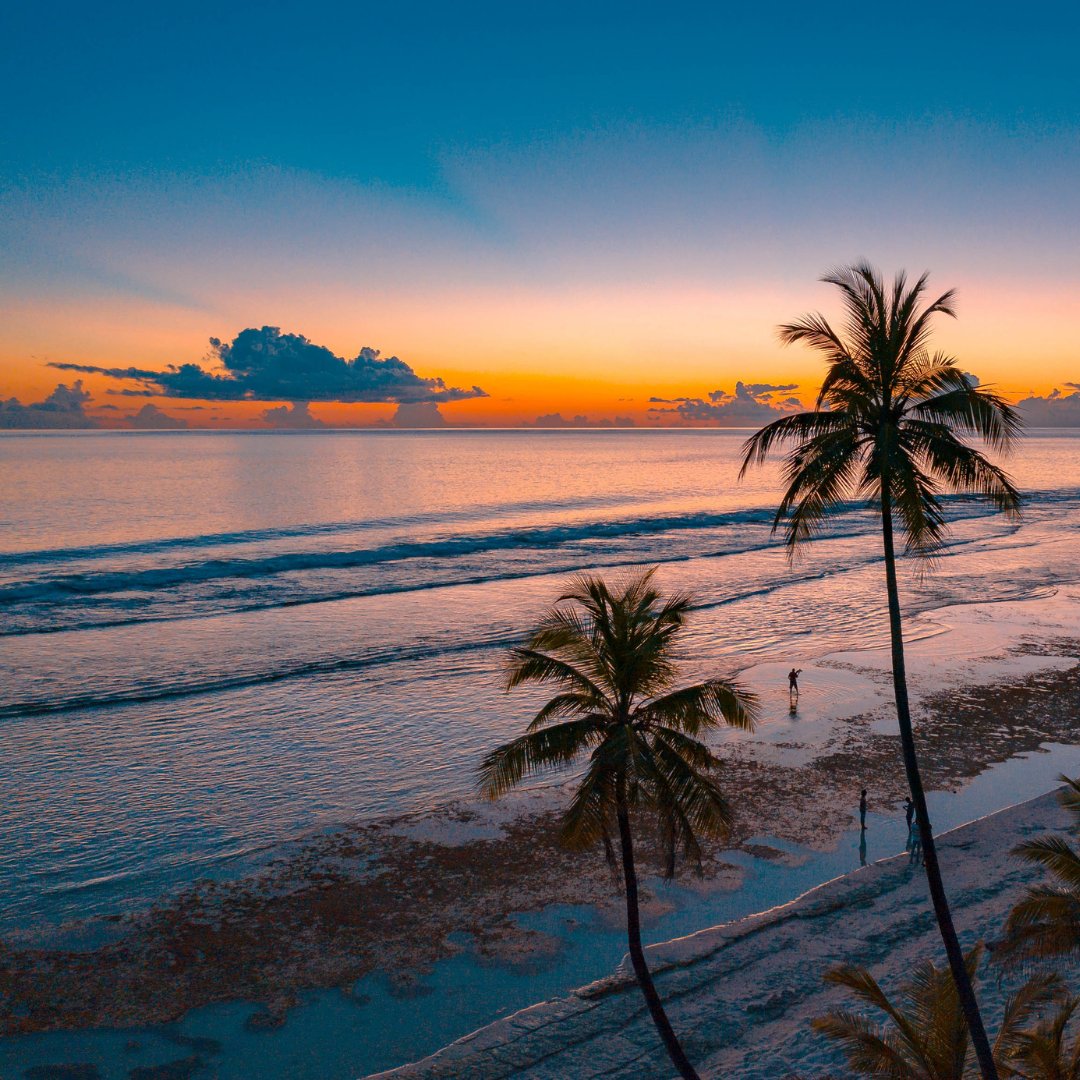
(925, 1036)
(1046, 922)
(1045, 1052)
(889, 424)
(609, 652)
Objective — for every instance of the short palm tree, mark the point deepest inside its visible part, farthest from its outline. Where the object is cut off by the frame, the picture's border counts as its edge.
(925, 1036)
(890, 425)
(1045, 1053)
(1046, 922)
(609, 653)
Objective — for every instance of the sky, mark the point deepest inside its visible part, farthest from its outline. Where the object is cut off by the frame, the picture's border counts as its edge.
(477, 213)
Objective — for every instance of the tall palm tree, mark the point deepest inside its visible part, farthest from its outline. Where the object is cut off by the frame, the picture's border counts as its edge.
(890, 424)
(1046, 1053)
(925, 1036)
(609, 653)
(1046, 922)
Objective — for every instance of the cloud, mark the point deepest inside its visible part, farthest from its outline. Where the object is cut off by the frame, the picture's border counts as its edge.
(1055, 410)
(557, 420)
(750, 405)
(267, 365)
(63, 408)
(418, 414)
(296, 418)
(151, 418)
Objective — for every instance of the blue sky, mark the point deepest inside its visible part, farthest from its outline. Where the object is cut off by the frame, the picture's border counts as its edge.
(382, 93)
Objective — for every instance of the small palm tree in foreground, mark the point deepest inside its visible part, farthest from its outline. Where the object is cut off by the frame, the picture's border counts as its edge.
(1046, 922)
(1046, 1053)
(889, 425)
(609, 652)
(924, 1036)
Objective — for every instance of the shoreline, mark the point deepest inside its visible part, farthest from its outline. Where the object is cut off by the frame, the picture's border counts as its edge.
(753, 964)
(380, 914)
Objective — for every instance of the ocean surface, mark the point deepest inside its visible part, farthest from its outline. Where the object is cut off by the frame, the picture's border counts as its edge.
(211, 643)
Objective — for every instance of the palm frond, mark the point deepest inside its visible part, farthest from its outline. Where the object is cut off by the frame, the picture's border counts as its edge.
(703, 706)
(535, 752)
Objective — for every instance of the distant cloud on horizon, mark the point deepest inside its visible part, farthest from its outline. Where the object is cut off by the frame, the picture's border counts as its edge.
(557, 420)
(1056, 409)
(151, 418)
(752, 403)
(63, 408)
(267, 365)
(296, 417)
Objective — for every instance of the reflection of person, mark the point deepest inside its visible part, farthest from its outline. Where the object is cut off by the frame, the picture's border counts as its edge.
(915, 842)
(862, 810)
(793, 680)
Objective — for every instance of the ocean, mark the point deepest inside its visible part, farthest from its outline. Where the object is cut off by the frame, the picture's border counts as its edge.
(213, 642)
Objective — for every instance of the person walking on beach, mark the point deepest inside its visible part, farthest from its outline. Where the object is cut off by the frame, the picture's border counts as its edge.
(793, 681)
(862, 810)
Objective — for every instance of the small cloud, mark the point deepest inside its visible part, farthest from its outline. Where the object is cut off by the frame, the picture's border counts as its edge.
(418, 414)
(63, 408)
(267, 365)
(151, 418)
(297, 417)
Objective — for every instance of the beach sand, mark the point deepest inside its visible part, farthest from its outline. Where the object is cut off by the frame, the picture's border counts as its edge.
(396, 896)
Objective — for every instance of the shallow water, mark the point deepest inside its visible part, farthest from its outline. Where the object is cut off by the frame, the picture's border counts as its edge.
(298, 629)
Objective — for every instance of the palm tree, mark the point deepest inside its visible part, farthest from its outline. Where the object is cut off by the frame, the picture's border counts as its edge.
(1046, 922)
(889, 424)
(926, 1036)
(1045, 1053)
(609, 653)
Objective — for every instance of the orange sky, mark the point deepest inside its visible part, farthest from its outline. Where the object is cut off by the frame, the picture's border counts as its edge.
(599, 351)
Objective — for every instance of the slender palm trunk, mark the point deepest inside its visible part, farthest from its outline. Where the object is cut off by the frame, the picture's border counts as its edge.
(637, 953)
(911, 763)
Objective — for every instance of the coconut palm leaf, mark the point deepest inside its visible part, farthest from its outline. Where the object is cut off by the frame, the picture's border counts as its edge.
(1046, 923)
(923, 1035)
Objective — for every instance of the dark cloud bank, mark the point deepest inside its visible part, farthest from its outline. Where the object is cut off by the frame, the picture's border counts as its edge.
(267, 365)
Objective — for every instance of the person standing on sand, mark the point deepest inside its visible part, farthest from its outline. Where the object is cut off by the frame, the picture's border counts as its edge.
(909, 813)
(862, 810)
(793, 681)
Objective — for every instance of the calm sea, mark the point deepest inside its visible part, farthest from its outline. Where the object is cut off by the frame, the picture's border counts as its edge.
(212, 642)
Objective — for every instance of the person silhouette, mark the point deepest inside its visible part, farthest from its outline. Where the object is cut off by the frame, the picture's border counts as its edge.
(793, 681)
(909, 813)
(862, 810)
(862, 848)
(915, 852)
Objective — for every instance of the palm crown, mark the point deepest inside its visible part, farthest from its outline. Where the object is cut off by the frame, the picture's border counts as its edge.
(890, 417)
(611, 656)
(1046, 922)
(925, 1036)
